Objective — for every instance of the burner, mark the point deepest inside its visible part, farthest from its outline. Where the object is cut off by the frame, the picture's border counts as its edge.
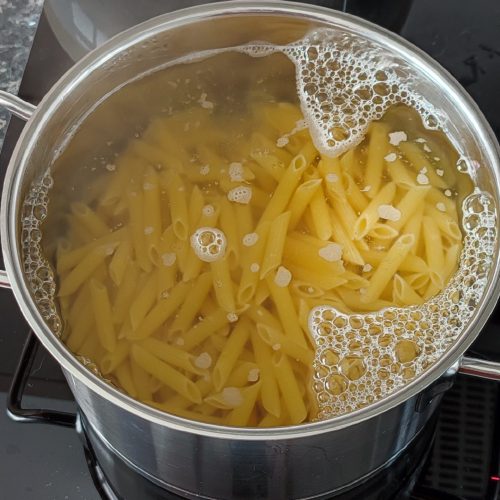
(115, 479)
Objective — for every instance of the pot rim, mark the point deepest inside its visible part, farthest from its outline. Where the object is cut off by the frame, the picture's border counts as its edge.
(76, 75)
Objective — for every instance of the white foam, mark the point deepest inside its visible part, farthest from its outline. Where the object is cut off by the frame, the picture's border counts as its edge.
(343, 84)
(253, 375)
(203, 361)
(395, 138)
(240, 194)
(236, 172)
(208, 243)
(255, 268)
(208, 210)
(250, 239)
(283, 277)
(168, 259)
(232, 317)
(390, 347)
(388, 212)
(422, 179)
(331, 252)
(232, 396)
(37, 269)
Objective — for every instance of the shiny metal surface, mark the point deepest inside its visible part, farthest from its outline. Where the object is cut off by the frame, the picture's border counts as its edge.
(480, 368)
(300, 461)
(196, 465)
(24, 110)
(4, 280)
(16, 106)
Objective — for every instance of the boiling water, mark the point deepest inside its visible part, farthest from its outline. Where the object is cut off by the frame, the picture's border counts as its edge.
(377, 345)
(343, 84)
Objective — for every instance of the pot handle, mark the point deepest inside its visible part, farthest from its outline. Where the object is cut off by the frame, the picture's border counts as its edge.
(23, 110)
(480, 368)
(15, 409)
(16, 105)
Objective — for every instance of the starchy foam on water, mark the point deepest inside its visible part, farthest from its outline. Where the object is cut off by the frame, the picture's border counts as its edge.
(343, 84)
(361, 358)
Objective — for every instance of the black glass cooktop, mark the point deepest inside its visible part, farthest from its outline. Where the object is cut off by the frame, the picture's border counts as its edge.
(40, 462)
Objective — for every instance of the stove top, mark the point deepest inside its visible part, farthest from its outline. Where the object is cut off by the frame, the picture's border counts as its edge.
(45, 462)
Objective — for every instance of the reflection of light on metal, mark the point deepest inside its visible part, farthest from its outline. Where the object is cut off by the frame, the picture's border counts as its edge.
(85, 29)
(495, 478)
(80, 26)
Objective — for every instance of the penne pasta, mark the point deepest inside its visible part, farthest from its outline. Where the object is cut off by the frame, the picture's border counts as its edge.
(251, 263)
(82, 271)
(289, 389)
(187, 269)
(285, 189)
(89, 220)
(161, 312)
(223, 285)
(171, 355)
(152, 209)
(388, 267)
(404, 294)
(301, 199)
(320, 214)
(168, 375)
(103, 317)
(136, 218)
(410, 202)
(189, 309)
(230, 353)
(212, 323)
(124, 376)
(273, 252)
(119, 262)
(178, 204)
(278, 341)
(378, 147)
(269, 393)
(286, 310)
(370, 215)
(144, 301)
(240, 416)
(417, 157)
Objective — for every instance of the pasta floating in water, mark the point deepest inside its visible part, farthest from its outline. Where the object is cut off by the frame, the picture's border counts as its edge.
(201, 300)
(221, 268)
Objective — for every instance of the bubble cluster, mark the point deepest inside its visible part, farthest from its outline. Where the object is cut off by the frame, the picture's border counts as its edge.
(240, 194)
(361, 358)
(344, 82)
(208, 243)
(37, 269)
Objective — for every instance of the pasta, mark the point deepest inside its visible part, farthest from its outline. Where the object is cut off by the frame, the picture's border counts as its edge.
(189, 273)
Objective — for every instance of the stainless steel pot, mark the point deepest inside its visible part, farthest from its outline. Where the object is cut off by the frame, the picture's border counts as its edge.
(202, 460)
